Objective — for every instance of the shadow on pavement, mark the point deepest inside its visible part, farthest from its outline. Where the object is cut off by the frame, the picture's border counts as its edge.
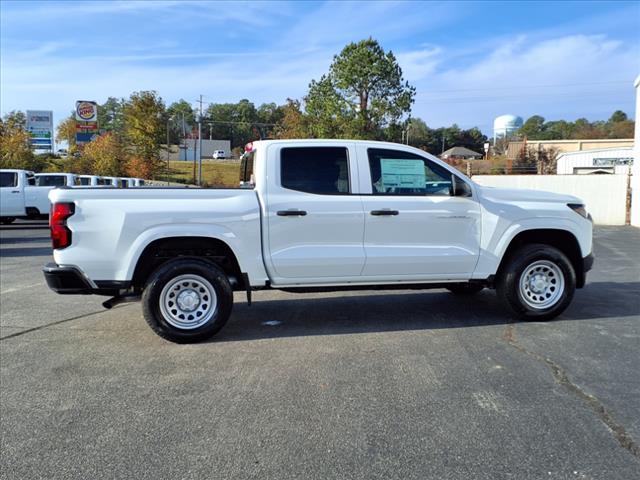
(409, 311)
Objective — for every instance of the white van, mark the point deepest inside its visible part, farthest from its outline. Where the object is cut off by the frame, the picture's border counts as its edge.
(219, 154)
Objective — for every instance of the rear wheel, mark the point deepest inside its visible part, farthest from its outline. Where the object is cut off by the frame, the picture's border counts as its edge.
(187, 300)
(537, 283)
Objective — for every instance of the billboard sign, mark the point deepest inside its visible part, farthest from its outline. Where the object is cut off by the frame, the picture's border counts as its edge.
(86, 121)
(40, 128)
(85, 137)
(86, 111)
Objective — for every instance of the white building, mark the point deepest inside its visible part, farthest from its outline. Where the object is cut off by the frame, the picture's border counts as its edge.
(208, 147)
(605, 160)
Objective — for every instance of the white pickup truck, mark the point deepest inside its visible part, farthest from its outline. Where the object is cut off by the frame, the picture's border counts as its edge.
(23, 194)
(318, 215)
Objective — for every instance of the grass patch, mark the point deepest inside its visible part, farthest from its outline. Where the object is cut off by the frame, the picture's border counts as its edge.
(214, 173)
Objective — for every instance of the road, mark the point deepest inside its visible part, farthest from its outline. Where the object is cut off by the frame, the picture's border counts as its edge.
(393, 385)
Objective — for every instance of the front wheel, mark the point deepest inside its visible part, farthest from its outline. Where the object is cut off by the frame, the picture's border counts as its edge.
(537, 283)
(187, 300)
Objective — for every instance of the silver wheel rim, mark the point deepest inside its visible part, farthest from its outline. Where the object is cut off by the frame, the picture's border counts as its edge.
(188, 301)
(541, 284)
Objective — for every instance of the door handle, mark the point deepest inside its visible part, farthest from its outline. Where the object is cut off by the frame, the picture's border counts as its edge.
(384, 212)
(291, 213)
(15, 191)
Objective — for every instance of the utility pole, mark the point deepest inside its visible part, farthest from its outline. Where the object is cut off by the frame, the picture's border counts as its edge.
(168, 151)
(443, 143)
(200, 144)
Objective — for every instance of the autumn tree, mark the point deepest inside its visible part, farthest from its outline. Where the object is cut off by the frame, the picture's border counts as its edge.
(15, 146)
(106, 155)
(293, 123)
(66, 132)
(363, 93)
(144, 127)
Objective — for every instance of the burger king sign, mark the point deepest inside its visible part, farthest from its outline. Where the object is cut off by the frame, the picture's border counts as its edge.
(86, 111)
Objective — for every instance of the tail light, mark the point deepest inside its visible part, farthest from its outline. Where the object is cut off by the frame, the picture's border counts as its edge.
(60, 233)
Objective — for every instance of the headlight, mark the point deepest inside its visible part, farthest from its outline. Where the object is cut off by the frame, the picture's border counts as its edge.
(579, 208)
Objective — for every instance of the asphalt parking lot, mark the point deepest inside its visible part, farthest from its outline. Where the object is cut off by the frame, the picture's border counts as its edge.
(348, 385)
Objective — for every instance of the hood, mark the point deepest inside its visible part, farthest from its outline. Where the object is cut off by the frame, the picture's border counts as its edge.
(523, 195)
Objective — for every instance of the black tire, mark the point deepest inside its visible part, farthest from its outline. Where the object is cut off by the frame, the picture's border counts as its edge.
(512, 296)
(164, 323)
(7, 220)
(465, 288)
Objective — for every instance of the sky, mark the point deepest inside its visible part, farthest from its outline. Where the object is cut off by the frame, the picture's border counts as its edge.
(469, 61)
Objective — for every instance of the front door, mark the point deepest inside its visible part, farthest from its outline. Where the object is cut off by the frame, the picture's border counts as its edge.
(315, 224)
(11, 195)
(414, 227)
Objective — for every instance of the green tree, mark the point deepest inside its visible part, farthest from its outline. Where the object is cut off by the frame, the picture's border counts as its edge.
(144, 130)
(618, 116)
(533, 128)
(110, 115)
(363, 93)
(182, 120)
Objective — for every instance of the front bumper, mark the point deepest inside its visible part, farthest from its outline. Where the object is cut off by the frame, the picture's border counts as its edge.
(587, 264)
(70, 280)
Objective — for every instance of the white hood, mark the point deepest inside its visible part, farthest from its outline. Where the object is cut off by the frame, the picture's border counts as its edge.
(523, 195)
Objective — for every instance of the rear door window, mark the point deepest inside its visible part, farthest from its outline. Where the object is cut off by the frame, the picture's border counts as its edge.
(51, 181)
(319, 170)
(8, 179)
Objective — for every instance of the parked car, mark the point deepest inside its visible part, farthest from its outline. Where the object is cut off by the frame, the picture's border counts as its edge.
(320, 215)
(218, 154)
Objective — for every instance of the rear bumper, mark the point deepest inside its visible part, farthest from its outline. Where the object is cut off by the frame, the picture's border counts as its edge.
(70, 280)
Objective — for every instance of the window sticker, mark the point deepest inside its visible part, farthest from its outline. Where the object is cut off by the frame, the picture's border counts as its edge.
(402, 173)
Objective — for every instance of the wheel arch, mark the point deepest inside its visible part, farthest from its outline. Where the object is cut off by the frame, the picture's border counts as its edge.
(211, 249)
(563, 240)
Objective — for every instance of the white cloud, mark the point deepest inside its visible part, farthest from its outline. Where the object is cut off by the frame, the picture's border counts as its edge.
(586, 75)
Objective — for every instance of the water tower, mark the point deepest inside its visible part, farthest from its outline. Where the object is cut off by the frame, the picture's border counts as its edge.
(505, 126)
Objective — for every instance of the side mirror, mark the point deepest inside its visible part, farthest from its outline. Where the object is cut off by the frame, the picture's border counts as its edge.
(459, 188)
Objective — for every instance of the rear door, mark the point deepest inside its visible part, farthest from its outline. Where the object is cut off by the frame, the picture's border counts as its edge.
(415, 228)
(11, 195)
(315, 222)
